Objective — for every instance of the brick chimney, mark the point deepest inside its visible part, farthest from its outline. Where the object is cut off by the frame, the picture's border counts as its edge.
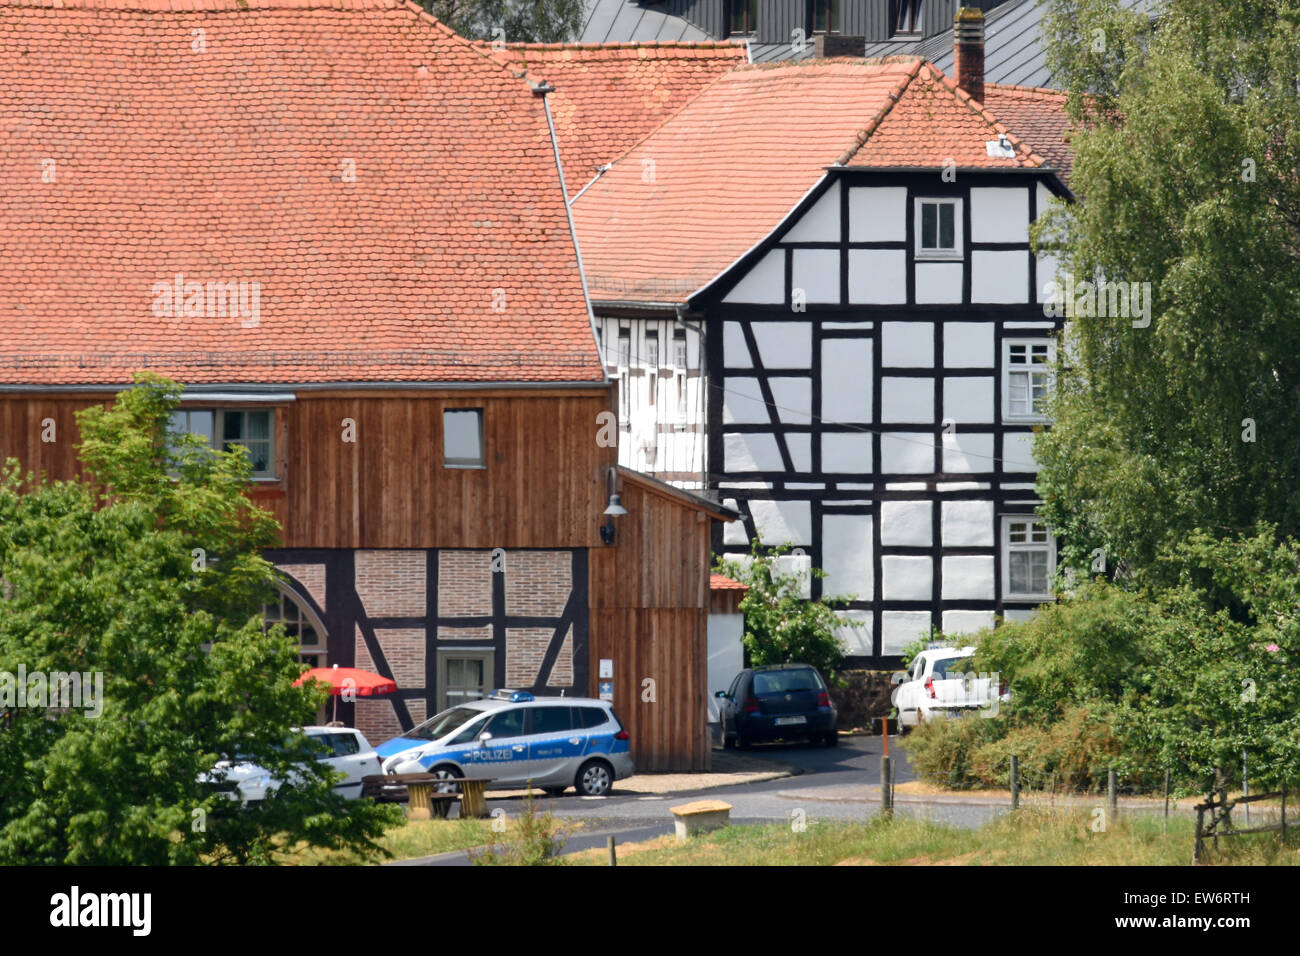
(835, 44)
(968, 51)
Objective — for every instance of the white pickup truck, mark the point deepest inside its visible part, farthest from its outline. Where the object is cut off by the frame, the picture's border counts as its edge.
(938, 684)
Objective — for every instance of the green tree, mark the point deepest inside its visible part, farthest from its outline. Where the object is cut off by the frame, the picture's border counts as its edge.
(1186, 157)
(151, 578)
(513, 21)
(781, 625)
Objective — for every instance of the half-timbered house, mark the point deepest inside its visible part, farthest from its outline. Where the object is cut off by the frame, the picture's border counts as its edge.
(853, 237)
(344, 230)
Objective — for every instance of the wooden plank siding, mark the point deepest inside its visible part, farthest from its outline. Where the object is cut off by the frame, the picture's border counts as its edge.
(649, 614)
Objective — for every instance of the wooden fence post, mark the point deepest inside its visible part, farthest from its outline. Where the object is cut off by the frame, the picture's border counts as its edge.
(1015, 782)
(1166, 826)
(1112, 795)
(613, 856)
(886, 786)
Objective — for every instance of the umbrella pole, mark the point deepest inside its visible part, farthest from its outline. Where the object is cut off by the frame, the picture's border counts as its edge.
(336, 709)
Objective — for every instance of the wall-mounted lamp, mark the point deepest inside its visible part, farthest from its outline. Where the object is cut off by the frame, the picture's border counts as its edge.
(613, 511)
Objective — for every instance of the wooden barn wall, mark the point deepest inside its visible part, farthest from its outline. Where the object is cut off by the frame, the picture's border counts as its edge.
(649, 614)
(544, 484)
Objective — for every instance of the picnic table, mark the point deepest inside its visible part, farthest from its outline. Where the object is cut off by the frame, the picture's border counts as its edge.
(425, 802)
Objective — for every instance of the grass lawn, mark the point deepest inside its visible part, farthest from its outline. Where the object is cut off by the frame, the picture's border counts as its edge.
(1031, 836)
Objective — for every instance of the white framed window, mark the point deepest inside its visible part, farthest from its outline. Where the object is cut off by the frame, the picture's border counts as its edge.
(300, 624)
(679, 350)
(1028, 558)
(652, 349)
(938, 228)
(462, 438)
(623, 357)
(1026, 378)
(624, 400)
(223, 428)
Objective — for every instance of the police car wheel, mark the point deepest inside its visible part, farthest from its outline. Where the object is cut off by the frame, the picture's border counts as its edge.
(446, 773)
(594, 779)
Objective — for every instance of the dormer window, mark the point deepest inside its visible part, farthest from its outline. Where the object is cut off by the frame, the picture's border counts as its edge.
(905, 16)
(938, 229)
(744, 17)
(826, 16)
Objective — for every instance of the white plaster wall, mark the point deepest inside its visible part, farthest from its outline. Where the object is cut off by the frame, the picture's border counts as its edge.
(742, 402)
(906, 578)
(821, 223)
(906, 453)
(969, 399)
(1020, 613)
(797, 566)
(968, 345)
(1045, 198)
(857, 640)
(877, 276)
(878, 214)
(751, 452)
(846, 453)
(905, 523)
(793, 398)
(968, 577)
(966, 622)
(904, 400)
(784, 344)
(999, 275)
(726, 655)
(782, 522)
(817, 273)
(938, 282)
(735, 354)
(968, 452)
(800, 447)
(907, 344)
(1018, 452)
(1049, 274)
(999, 215)
(966, 524)
(733, 532)
(764, 283)
(846, 380)
(900, 628)
(846, 555)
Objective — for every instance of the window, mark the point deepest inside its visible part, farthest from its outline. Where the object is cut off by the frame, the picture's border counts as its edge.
(624, 401)
(652, 363)
(469, 733)
(462, 676)
(1027, 374)
(744, 16)
(301, 625)
(1029, 558)
(906, 16)
(590, 717)
(624, 355)
(462, 438)
(679, 350)
(224, 428)
(507, 723)
(826, 16)
(938, 229)
(679, 376)
(552, 720)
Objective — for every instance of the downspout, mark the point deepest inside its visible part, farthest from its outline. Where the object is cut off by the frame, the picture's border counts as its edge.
(541, 89)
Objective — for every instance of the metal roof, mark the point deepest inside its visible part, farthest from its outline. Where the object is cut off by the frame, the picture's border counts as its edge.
(626, 21)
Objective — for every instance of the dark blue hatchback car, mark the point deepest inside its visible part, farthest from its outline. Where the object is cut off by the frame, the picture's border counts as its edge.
(778, 702)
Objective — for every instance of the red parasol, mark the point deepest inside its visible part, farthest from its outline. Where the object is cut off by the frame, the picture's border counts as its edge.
(348, 680)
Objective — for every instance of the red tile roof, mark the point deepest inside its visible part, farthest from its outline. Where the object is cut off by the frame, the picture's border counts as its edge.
(216, 140)
(610, 95)
(720, 582)
(719, 175)
(1038, 115)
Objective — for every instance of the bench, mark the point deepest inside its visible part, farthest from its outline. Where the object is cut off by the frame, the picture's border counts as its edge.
(699, 817)
(425, 803)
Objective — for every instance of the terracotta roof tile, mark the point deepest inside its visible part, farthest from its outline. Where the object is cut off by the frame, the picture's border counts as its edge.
(1037, 114)
(720, 582)
(719, 175)
(227, 156)
(608, 96)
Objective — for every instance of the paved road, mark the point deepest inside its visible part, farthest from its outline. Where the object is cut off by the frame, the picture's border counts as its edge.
(836, 783)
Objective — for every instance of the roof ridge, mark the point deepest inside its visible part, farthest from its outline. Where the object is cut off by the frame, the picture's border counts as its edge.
(620, 46)
(192, 6)
(1016, 88)
(873, 124)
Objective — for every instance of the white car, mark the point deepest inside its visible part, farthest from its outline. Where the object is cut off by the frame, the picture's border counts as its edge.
(343, 749)
(938, 684)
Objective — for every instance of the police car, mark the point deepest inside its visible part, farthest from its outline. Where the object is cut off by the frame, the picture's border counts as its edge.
(514, 739)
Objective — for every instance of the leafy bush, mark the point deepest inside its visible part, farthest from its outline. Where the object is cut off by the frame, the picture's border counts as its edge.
(538, 841)
(943, 751)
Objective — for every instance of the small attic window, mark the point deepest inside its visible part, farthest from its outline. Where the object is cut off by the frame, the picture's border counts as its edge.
(905, 16)
(938, 229)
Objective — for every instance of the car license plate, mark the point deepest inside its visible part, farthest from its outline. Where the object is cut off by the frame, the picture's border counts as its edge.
(783, 721)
